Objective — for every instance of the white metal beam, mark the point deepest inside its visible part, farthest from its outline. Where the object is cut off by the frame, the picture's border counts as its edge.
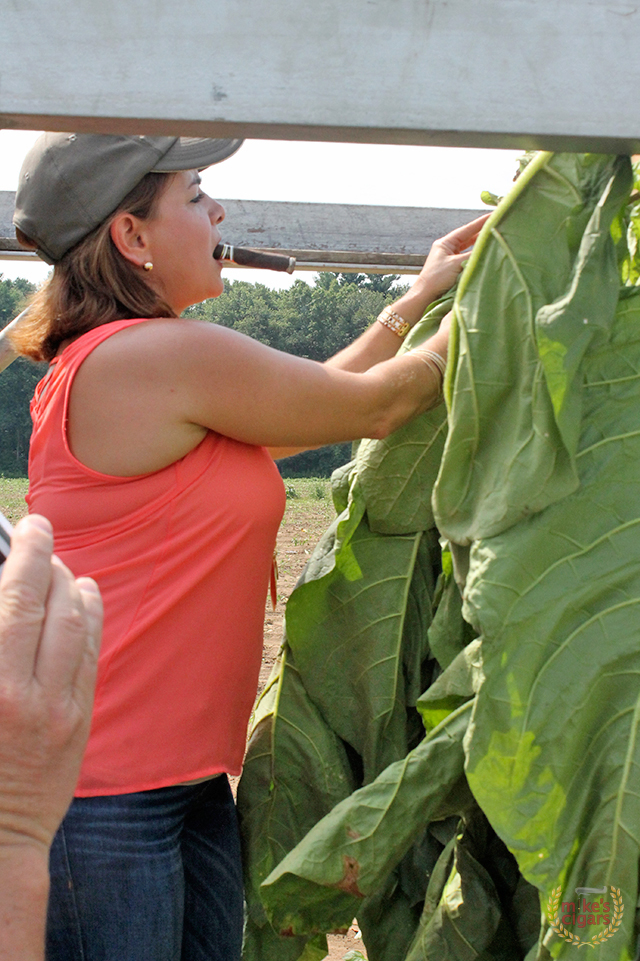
(507, 73)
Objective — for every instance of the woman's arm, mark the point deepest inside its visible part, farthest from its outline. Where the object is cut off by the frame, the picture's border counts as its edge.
(147, 395)
(236, 386)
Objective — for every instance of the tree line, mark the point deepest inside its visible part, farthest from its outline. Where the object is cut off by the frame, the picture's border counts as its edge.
(313, 321)
(17, 384)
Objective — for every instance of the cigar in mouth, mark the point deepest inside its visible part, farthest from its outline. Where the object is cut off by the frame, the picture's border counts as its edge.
(247, 257)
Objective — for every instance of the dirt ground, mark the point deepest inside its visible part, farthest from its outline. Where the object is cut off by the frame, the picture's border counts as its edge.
(308, 513)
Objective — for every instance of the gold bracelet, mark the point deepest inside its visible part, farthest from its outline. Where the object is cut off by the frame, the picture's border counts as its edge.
(394, 322)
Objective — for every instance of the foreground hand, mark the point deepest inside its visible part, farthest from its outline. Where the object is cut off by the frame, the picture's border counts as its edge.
(447, 257)
(50, 628)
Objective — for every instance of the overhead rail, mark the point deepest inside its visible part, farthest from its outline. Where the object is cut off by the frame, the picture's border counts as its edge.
(337, 237)
(496, 73)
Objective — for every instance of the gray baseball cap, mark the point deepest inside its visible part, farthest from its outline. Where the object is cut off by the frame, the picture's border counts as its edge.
(70, 182)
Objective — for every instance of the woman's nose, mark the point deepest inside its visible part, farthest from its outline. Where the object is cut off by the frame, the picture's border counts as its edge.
(216, 212)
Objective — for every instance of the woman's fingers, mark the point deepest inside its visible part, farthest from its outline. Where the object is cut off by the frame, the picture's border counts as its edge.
(465, 236)
(473, 227)
(448, 256)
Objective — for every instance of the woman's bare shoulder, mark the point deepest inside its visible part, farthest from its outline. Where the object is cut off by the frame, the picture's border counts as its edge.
(164, 341)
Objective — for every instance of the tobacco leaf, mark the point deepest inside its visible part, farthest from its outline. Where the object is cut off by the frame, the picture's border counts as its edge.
(554, 759)
(539, 498)
(541, 282)
(355, 847)
(358, 630)
(553, 581)
(296, 770)
(298, 765)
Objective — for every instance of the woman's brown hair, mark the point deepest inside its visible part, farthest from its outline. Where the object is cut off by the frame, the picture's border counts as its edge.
(92, 285)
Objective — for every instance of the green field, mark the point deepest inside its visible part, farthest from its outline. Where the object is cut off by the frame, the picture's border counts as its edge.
(12, 492)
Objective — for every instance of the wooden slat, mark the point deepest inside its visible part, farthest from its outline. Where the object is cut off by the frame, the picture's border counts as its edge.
(319, 236)
(505, 73)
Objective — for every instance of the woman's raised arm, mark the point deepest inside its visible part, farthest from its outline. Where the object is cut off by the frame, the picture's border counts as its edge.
(146, 396)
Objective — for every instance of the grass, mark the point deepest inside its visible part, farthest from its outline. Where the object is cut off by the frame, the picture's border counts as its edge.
(12, 493)
(308, 500)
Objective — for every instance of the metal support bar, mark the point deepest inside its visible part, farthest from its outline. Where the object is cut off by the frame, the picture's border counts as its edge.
(337, 237)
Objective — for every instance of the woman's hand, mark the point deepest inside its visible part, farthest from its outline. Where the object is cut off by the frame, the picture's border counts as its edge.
(448, 256)
(446, 259)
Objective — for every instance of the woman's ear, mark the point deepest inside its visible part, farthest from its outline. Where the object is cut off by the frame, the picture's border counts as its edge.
(127, 233)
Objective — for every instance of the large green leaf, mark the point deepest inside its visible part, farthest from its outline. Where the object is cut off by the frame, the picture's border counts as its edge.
(467, 917)
(286, 788)
(354, 848)
(449, 633)
(358, 631)
(477, 906)
(457, 684)
(541, 281)
(296, 770)
(554, 758)
(538, 495)
(553, 584)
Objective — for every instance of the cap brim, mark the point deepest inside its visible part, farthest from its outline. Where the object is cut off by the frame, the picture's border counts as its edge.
(195, 153)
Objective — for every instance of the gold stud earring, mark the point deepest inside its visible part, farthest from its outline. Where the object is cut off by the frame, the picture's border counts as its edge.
(148, 265)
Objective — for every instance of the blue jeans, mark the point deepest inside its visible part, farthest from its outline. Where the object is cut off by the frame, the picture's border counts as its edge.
(152, 876)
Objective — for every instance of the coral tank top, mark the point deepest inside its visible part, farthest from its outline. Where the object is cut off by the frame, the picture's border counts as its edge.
(182, 557)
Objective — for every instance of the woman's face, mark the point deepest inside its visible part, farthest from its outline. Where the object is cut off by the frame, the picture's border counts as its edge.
(181, 238)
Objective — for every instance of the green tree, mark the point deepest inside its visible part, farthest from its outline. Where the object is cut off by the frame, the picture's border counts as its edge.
(17, 384)
(381, 283)
(312, 321)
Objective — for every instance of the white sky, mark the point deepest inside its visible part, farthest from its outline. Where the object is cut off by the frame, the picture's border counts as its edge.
(318, 173)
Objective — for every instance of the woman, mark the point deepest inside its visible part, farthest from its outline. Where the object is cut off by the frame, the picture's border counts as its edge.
(149, 454)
